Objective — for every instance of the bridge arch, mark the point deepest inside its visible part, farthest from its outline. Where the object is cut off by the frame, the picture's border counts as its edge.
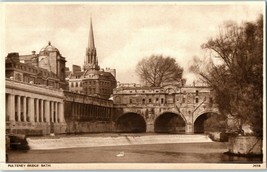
(208, 121)
(169, 122)
(131, 122)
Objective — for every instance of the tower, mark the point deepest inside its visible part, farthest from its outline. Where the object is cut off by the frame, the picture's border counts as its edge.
(91, 61)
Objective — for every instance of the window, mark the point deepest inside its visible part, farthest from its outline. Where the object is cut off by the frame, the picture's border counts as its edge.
(196, 100)
(183, 100)
(196, 92)
(131, 101)
(162, 100)
(144, 101)
(157, 99)
(149, 100)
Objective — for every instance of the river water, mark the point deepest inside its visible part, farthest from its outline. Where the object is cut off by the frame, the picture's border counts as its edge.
(212, 152)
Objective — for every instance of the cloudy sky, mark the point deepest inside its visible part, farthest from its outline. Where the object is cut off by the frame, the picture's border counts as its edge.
(124, 33)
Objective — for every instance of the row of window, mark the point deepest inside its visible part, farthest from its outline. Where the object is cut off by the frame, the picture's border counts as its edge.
(30, 69)
(161, 101)
(157, 91)
(29, 79)
(90, 91)
(74, 84)
(80, 84)
(26, 68)
(89, 83)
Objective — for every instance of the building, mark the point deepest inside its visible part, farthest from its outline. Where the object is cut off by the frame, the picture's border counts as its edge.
(34, 92)
(33, 109)
(46, 68)
(92, 80)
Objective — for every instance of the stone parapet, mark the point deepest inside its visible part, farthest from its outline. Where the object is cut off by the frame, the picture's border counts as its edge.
(33, 89)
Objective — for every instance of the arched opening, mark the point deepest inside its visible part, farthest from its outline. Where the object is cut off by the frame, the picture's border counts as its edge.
(131, 123)
(209, 122)
(169, 123)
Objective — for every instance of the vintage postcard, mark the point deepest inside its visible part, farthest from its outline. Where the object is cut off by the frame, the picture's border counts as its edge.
(133, 85)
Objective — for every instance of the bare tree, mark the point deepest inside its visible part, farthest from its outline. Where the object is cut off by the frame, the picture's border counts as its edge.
(235, 71)
(156, 71)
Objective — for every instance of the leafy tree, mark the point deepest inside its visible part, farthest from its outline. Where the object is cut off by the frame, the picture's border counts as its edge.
(235, 72)
(156, 71)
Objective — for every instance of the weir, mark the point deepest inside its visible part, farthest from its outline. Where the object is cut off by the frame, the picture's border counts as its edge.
(98, 141)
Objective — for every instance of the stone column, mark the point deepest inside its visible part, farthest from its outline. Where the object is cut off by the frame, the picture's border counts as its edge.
(24, 109)
(37, 110)
(78, 111)
(31, 109)
(149, 127)
(52, 112)
(42, 110)
(189, 129)
(47, 111)
(61, 112)
(11, 107)
(72, 110)
(56, 112)
(18, 107)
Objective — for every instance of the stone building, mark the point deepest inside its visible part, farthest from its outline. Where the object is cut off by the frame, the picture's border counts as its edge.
(46, 68)
(33, 109)
(34, 92)
(92, 80)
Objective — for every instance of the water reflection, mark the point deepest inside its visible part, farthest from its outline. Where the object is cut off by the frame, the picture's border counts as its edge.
(162, 153)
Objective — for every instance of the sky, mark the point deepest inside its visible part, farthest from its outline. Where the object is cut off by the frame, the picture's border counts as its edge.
(124, 32)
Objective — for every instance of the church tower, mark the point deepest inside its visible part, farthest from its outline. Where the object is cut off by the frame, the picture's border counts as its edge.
(91, 61)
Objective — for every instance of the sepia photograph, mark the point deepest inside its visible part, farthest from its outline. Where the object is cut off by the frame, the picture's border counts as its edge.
(133, 85)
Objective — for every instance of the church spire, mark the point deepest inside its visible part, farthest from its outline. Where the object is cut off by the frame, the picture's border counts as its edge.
(91, 42)
(91, 61)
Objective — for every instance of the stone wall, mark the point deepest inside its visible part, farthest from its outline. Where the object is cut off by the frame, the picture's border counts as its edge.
(245, 145)
(90, 127)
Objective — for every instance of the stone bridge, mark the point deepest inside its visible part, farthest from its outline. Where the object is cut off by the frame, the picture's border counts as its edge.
(163, 109)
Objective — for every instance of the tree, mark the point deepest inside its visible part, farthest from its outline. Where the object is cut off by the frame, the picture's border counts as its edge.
(235, 72)
(155, 71)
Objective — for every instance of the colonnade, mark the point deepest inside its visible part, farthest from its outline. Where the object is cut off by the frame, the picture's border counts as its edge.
(29, 109)
(86, 112)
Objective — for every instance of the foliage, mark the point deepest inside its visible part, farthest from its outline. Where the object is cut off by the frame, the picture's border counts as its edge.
(215, 123)
(157, 70)
(235, 72)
